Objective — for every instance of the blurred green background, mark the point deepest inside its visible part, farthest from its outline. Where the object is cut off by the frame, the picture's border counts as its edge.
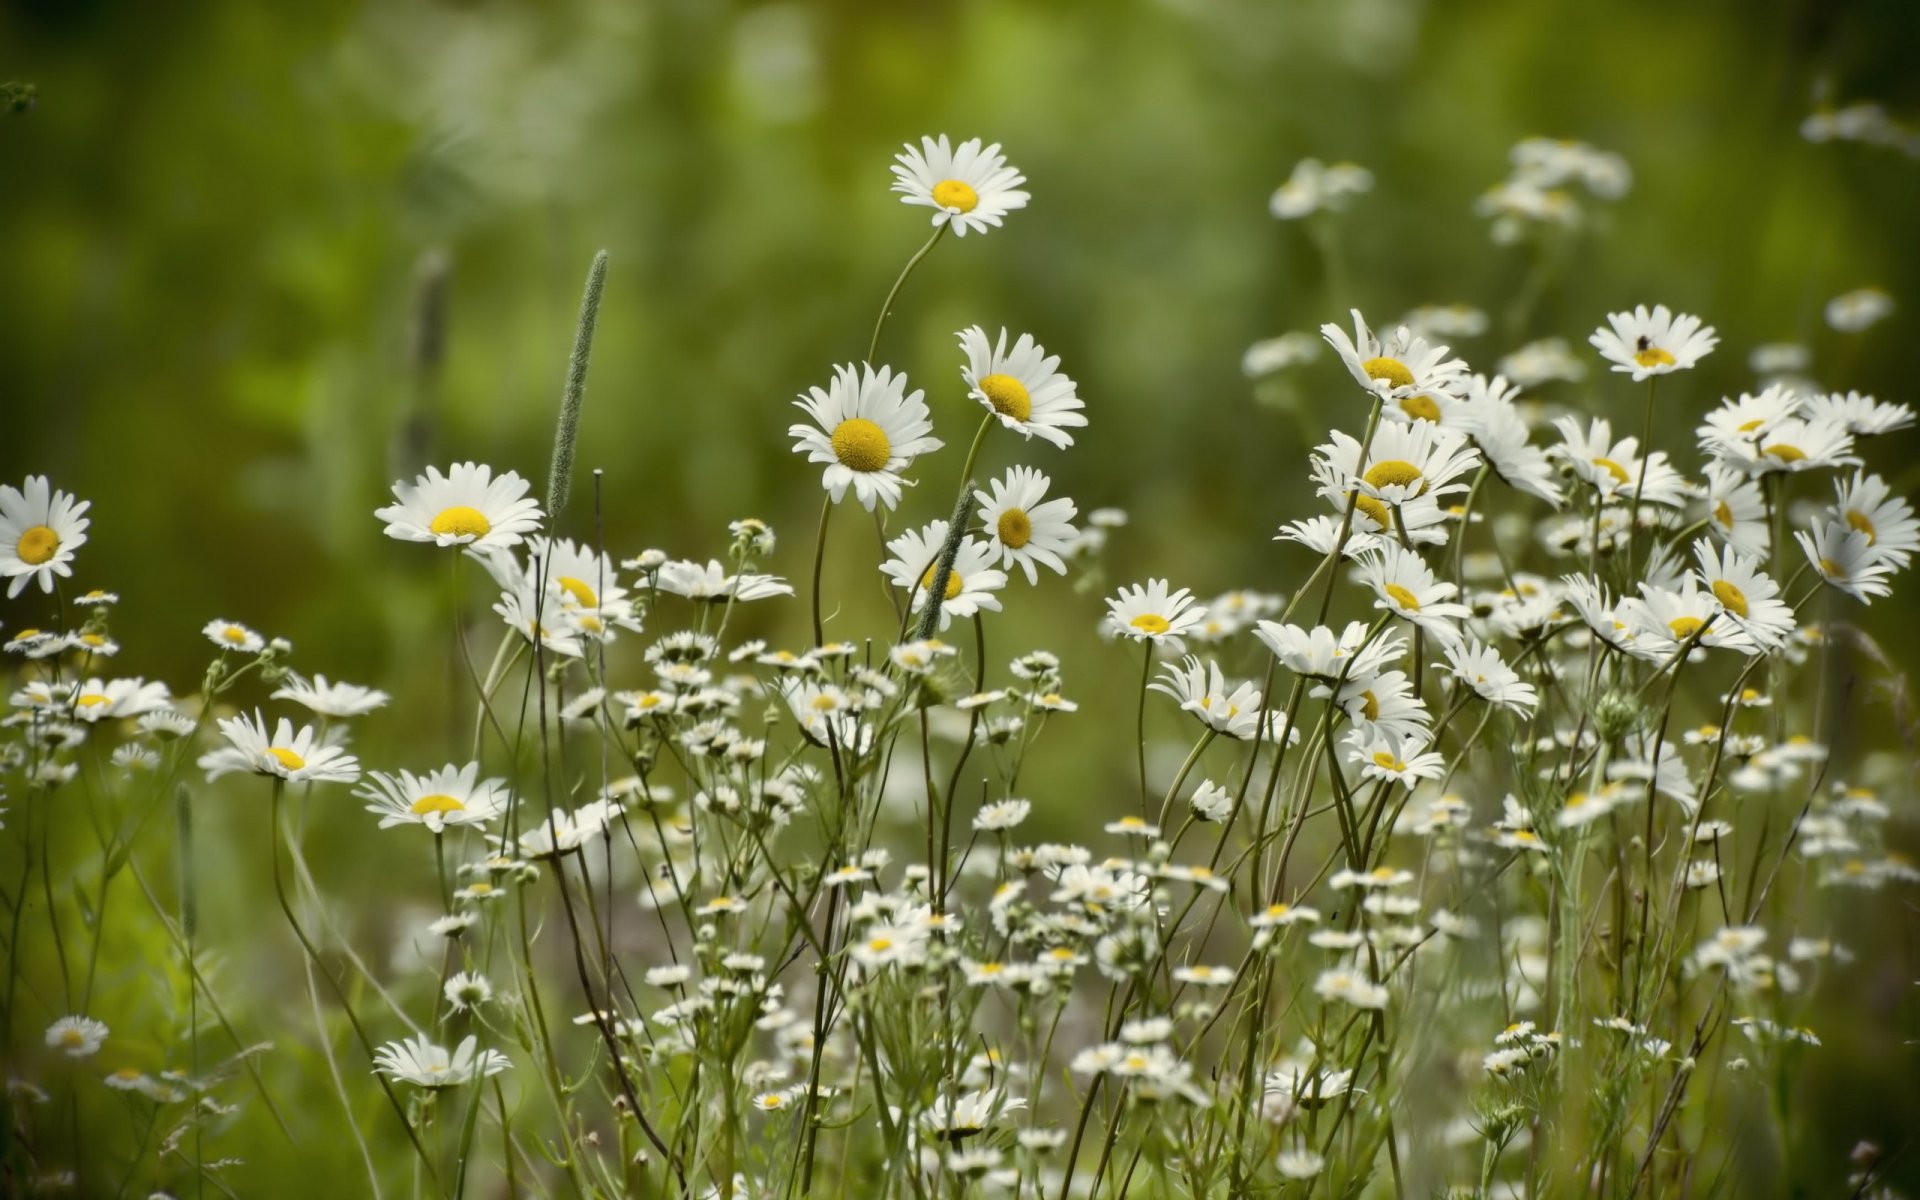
(260, 259)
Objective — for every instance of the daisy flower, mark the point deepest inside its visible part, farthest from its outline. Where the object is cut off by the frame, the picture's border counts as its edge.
(1151, 613)
(1022, 386)
(1544, 361)
(1747, 418)
(1851, 312)
(1395, 758)
(1406, 370)
(538, 619)
(1846, 559)
(1315, 187)
(332, 699)
(40, 528)
(970, 584)
(1403, 463)
(467, 506)
(1653, 343)
(1867, 505)
(1493, 421)
(1351, 987)
(712, 583)
(1596, 608)
(970, 189)
(423, 1064)
(230, 635)
(452, 795)
(1407, 588)
(295, 755)
(867, 429)
(583, 583)
(1384, 700)
(1665, 618)
(1203, 691)
(1319, 653)
(1737, 511)
(1790, 446)
(102, 700)
(1023, 530)
(1863, 416)
(76, 1037)
(1614, 468)
(1272, 355)
(1482, 669)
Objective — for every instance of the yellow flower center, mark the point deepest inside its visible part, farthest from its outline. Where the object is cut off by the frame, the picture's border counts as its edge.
(286, 758)
(1008, 396)
(1015, 528)
(1722, 513)
(439, 802)
(823, 703)
(953, 582)
(1151, 623)
(1653, 356)
(951, 193)
(37, 545)
(461, 521)
(1684, 627)
(1382, 759)
(1731, 597)
(72, 1037)
(1784, 452)
(1376, 511)
(91, 700)
(479, 889)
(1421, 408)
(1402, 597)
(1392, 370)
(1370, 705)
(1393, 472)
(1612, 468)
(24, 634)
(1831, 569)
(1860, 521)
(1752, 425)
(579, 591)
(93, 639)
(860, 445)
(880, 945)
(234, 634)
(128, 1074)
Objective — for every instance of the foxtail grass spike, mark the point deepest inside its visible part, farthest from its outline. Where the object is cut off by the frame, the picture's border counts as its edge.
(560, 476)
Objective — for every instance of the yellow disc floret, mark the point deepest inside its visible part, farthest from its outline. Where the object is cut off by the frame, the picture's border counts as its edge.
(1007, 395)
(861, 445)
(1391, 370)
(1402, 597)
(286, 758)
(579, 590)
(1734, 600)
(1015, 528)
(1393, 472)
(439, 802)
(953, 582)
(37, 545)
(1684, 627)
(1859, 521)
(1653, 356)
(1152, 624)
(951, 193)
(461, 521)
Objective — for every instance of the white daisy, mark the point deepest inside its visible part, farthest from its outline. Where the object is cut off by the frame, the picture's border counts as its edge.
(1790, 446)
(332, 699)
(1403, 463)
(1747, 418)
(231, 635)
(101, 700)
(1319, 653)
(1352, 987)
(1149, 612)
(1863, 416)
(970, 189)
(1737, 511)
(468, 506)
(452, 795)
(1203, 691)
(867, 430)
(1846, 559)
(1380, 701)
(1665, 618)
(1544, 361)
(1482, 669)
(712, 583)
(1851, 312)
(1276, 354)
(970, 584)
(40, 528)
(1406, 587)
(1404, 369)
(584, 585)
(1023, 530)
(1614, 468)
(1395, 758)
(539, 619)
(1868, 505)
(418, 1061)
(295, 755)
(1315, 187)
(1493, 421)
(76, 1037)
(1653, 343)
(1023, 386)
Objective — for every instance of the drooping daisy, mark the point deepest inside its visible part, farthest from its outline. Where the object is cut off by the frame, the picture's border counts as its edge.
(1406, 372)
(537, 618)
(970, 189)
(452, 795)
(1406, 587)
(1483, 670)
(1202, 690)
(1845, 559)
(1150, 612)
(712, 583)
(1868, 505)
(867, 429)
(468, 506)
(76, 1037)
(40, 528)
(332, 699)
(1737, 511)
(970, 584)
(295, 755)
(1322, 533)
(1596, 607)
(1493, 421)
(1863, 416)
(1023, 386)
(1646, 344)
(419, 1062)
(1020, 528)
(1319, 653)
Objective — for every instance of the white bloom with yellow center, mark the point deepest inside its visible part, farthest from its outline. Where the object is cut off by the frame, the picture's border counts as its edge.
(1150, 612)
(867, 429)
(1851, 312)
(1403, 465)
(1319, 653)
(295, 755)
(1789, 446)
(1406, 587)
(540, 620)
(1316, 187)
(970, 583)
(583, 585)
(1379, 700)
(1022, 528)
(1646, 344)
(1614, 468)
(1395, 758)
(1489, 416)
(1545, 361)
(971, 189)
(1596, 607)
(1737, 511)
(76, 1037)
(40, 528)
(1203, 690)
(1483, 671)
(420, 1062)
(231, 635)
(1411, 376)
(103, 700)
(1749, 597)
(468, 506)
(1868, 505)
(452, 795)
(332, 699)
(1861, 415)
(1352, 987)
(712, 584)
(1664, 619)
(1846, 559)
(1022, 386)
(1748, 418)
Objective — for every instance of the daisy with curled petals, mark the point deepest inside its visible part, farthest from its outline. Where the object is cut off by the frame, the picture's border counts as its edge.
(1320, 653)
(1403, 463)
(1667, 618)
(970, 189)
(1747, 418)
(1023, 530)
(537, 618)
(1862, 416)
(1614, 468)
(1790, 446)
(1867, 505)
(1379, 700)
(1845, 559)
(423, 1064)
(452, 795)
(40, 528)
(1483, 670)
(970, 584)
(867, 429)
(584, 584)
(1150, 612)
(1737, 511)
(1202, 690)
(1322, 534)
(1022, 386)
(468, 506)
(1646, 344)
(1409, 375)
(1597, 610)
(332, 699)
(711, 583)
(1406, 587)
(1395, 758)
(295, 755)
(1490, 417)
